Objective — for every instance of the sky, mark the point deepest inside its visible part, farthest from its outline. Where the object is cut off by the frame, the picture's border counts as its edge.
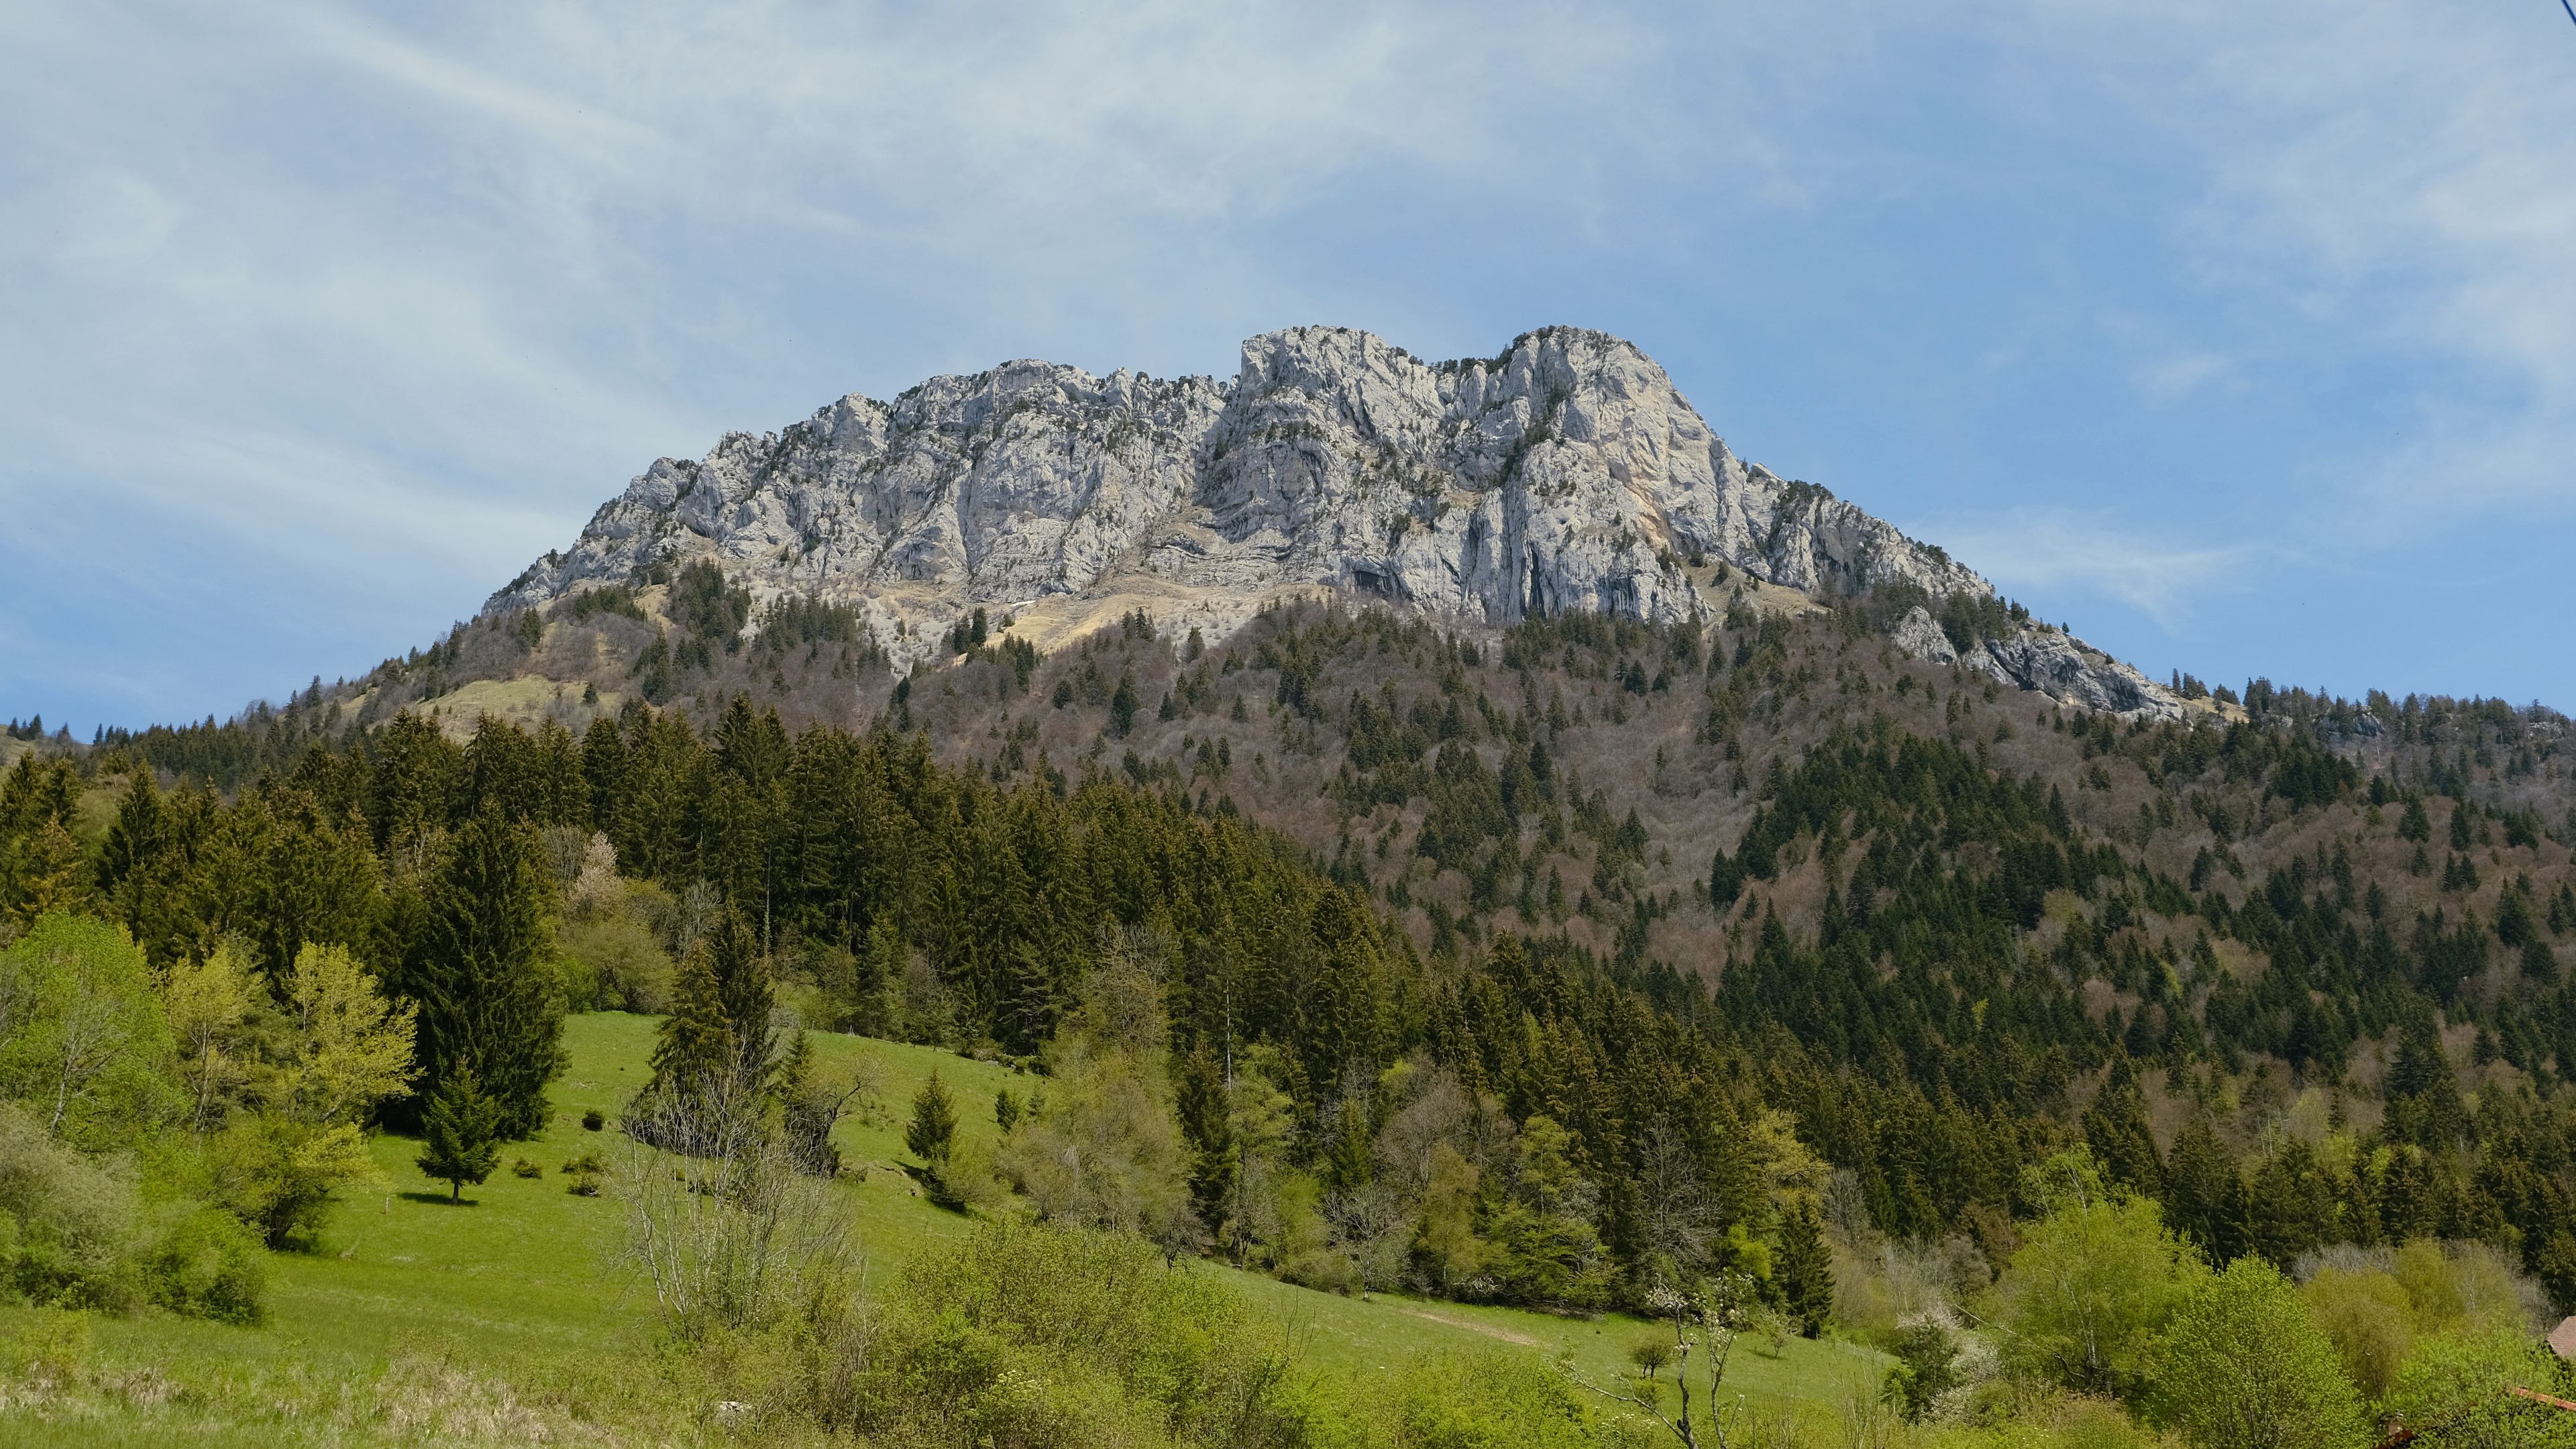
(2241, 338)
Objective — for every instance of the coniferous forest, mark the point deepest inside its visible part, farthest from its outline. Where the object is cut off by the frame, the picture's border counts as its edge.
(1747, 977)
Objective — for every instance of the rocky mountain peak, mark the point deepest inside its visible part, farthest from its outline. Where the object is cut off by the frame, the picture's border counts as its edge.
(1566, 473)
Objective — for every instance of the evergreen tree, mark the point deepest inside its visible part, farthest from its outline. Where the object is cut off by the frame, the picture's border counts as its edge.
(479, 974)
(1806, 1270)
(2204, 1197)
(1205, 1123)
(2424, 1104)
(933, 1126)
(2414, 824)
(2116, 1128)
(743, 993)
(697, 1042)
(462, 1130)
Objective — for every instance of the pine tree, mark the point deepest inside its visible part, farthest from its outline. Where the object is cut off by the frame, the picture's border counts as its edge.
(2424, 1104)
(1201, 1101)
(1806, 1270)
(462, 1128)
(487, 1001)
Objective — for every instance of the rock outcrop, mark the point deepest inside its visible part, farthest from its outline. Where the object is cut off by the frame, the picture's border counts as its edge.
(1566, 474)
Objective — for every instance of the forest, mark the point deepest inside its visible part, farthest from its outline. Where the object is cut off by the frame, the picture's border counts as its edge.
(2063, 1058)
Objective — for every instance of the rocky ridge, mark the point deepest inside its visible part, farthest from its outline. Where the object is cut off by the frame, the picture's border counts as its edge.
(1566, 474)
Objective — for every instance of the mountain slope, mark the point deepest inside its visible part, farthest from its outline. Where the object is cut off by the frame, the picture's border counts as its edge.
(1566, 475)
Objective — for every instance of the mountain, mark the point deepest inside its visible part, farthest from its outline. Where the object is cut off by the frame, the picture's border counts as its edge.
(1565, 475)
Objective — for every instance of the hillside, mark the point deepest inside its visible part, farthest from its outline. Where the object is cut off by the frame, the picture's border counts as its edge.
(1729, 910)
(505, 1320)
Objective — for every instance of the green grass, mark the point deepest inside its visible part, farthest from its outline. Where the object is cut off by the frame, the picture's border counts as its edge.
(511, 1301)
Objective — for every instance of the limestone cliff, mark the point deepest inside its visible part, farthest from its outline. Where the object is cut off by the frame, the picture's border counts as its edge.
(1565, 474)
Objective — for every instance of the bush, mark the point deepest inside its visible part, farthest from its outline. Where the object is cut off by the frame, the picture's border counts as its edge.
(277, 1174)
(2242, 1363)
(524, 1168)
(585, 1172)
(1029, 1334)
(209, 1266)
(2453, 1386)
(1487, 1400)
(68, 1225)
(593, 1120)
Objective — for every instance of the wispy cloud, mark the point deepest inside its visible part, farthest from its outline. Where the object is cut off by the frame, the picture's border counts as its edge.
(2072, 553)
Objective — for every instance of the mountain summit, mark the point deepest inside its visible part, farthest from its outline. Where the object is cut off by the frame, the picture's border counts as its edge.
(1566, 474)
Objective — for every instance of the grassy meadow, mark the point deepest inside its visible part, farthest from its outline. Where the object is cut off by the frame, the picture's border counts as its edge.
(506, 1318)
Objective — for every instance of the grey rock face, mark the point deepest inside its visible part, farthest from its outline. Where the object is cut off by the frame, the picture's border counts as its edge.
(1566, 474)
(1917, 635)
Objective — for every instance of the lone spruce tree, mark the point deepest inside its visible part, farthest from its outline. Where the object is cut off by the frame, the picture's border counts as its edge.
(933, 1125)
(462, 1127)
(487, 1001)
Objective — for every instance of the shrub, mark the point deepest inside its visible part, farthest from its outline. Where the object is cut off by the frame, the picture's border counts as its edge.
(522, 1167)
(593, 1120)
(2456, 1382)
(208, 1266)
(1023, 1333)
(277, 1174)
(2242, 1363)
(585, 1172)
(68, 1225)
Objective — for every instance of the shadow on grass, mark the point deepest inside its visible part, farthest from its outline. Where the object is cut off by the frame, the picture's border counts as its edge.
(439, 1199)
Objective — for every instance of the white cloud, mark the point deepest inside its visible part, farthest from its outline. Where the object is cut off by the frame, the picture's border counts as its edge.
(2062, 551)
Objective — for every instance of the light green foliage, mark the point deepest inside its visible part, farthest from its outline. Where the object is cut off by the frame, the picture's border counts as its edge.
(84, 1045)
(2093, 1281)
(1497, 1401)
(278, 1171)
(2452, 1391)
(2368, 1315)
(352, 1048)
(2243, 1366)
(207, 1265)
(346, 1049)
(1105, 1151)
(209, 1001)
(73, 1225)
(1028, 1334)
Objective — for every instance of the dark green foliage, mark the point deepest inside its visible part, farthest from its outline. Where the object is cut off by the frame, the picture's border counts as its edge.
(696, 1044)
(460, 1130)
(933, 1125)
(1927, 1358)
(488, 1002)
(1806, 1271)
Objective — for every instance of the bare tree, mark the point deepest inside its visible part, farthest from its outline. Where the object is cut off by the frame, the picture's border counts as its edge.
(1710, 1318)
(719, 1221)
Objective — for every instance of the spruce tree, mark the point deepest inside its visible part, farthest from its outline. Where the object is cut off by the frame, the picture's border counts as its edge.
(2116, 1127)
(462, 1128)
(933, 1125)
(697, 1043)
(1806, 1270)
(743, 992)
(2204, 1196)
(487, 1000)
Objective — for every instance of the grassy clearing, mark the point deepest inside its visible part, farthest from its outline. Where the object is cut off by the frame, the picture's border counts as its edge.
(505, 1319)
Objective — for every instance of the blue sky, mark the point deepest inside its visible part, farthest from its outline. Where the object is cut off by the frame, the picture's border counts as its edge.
(2241, 337)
